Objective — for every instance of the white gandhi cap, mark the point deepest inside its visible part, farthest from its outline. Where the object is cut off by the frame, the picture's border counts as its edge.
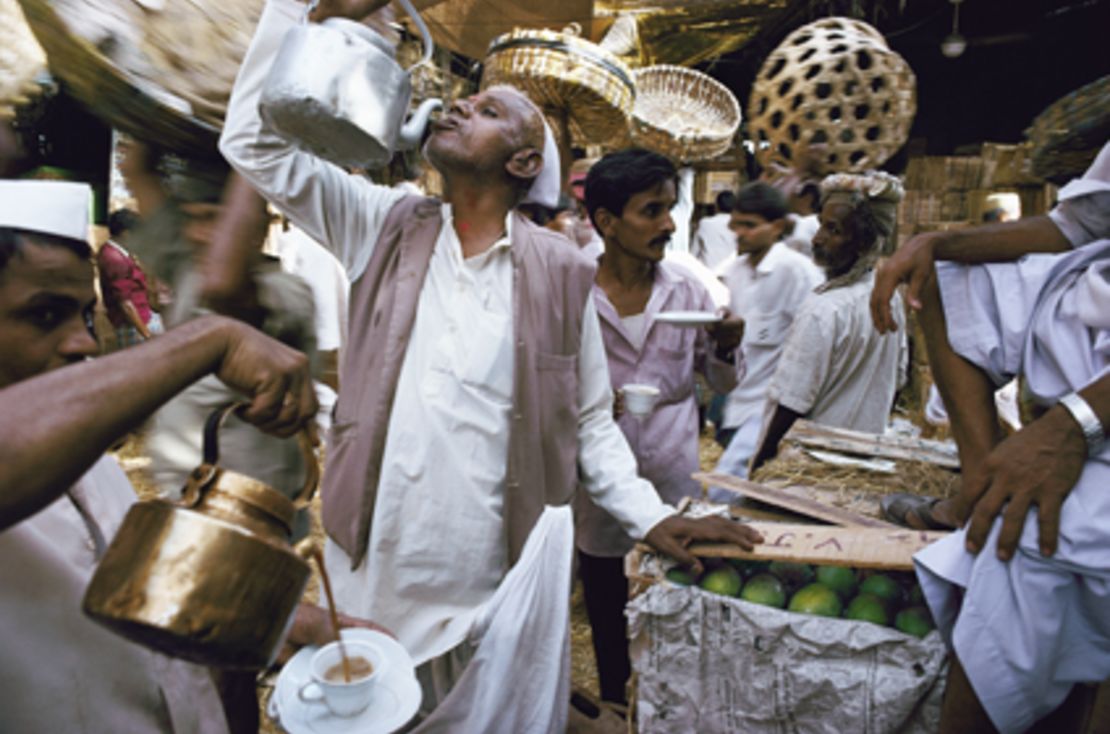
(59, 208)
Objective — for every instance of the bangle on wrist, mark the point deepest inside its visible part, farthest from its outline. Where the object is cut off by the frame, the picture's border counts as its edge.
(1088, 421)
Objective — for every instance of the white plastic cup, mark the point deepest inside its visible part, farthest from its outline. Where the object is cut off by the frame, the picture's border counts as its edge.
(640, 400)
(343, 698)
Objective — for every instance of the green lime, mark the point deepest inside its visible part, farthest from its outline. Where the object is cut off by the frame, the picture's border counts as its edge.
(883, 587)
(838, 578)
(725, 581)
(816, 599)
(867, 608)
(917, 596)
(681, 576)
(764, 589)
(793, 575)
(914, 621)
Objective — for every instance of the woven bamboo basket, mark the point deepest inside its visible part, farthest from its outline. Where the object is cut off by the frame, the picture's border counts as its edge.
(835, 84)
(683, 114)
(164, 74)
(1069, 133)
(21, 60)
(563, 71)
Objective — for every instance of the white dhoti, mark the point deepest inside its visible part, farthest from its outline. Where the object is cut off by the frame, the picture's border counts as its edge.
(1028, 629)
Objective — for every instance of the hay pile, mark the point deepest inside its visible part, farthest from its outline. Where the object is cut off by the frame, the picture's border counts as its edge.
(855, 489)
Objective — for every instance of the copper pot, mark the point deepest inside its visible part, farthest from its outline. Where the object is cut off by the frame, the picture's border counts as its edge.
(212, 578)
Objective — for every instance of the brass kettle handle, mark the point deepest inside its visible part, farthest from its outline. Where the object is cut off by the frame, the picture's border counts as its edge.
(211, 453)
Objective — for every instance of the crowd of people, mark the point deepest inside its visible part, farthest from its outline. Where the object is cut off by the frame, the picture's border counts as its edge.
(464, 359)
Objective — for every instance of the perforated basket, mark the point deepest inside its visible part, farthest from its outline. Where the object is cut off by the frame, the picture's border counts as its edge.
(833, 83)
(562, 71)
(683, 113)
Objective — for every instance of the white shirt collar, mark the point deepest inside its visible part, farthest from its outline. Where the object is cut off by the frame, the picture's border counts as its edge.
(504, 242)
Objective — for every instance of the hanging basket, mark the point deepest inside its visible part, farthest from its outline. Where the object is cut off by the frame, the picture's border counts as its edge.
(683, 114)
(1070, 132)
(21, 60)
(833, 83)
(563, 71)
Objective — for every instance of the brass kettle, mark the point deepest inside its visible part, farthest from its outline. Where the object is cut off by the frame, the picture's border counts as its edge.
(212, 578)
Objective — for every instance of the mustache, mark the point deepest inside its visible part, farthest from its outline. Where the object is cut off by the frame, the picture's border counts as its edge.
(661, 240)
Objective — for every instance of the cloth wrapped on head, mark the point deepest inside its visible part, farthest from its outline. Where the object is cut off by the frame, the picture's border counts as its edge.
(873, 197)
(878, 191)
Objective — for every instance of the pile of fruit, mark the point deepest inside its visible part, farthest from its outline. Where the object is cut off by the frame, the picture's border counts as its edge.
(892, 599)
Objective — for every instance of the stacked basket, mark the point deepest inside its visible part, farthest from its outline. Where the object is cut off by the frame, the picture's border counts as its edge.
(21, 60)
(563, 71)
(683, 114)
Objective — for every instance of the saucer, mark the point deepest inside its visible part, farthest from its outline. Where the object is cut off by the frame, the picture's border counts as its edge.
(688, 318)
(395, 700)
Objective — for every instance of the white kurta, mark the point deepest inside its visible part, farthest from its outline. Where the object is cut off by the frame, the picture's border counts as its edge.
(436, 552)
(767, 297)
(59, 670)
(1027, 630)
(836, 369)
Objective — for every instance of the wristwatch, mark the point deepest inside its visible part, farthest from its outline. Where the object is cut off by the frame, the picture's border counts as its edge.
(1088, 422)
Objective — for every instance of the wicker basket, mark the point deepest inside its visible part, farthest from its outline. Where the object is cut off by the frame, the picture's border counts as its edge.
(21, 60)
(170, 93)
(835, 84)
(1068, 135)
(683, 114)
(563, 71)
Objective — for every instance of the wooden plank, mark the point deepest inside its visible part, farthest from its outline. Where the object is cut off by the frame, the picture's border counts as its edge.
(871, 444)
(881, 548)
(787, 501)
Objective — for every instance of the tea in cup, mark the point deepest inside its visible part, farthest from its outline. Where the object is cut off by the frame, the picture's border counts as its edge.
(330, 685)
(639, 400)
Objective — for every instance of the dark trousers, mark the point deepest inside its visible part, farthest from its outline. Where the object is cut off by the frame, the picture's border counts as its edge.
(605, 590)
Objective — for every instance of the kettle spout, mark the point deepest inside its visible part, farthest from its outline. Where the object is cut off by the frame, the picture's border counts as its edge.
(413, 130)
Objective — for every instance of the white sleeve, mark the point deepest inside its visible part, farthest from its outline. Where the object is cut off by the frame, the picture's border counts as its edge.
(341, 211)
(606, 463)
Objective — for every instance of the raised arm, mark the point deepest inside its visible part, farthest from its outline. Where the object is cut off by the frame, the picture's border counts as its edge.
(341, 211)
(57, 425)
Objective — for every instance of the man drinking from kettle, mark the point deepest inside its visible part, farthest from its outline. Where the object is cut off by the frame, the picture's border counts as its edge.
(62, 499)
(475, 396)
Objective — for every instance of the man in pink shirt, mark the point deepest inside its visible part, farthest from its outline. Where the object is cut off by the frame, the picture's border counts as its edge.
(629, 196)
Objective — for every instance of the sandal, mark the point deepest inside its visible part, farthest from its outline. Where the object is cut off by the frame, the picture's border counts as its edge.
(897, 507)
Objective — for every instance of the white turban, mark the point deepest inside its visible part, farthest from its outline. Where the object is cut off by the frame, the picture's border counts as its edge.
(547, 185)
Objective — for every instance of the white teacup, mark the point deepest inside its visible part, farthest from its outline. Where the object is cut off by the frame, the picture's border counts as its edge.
(639, 400)
(341, 697)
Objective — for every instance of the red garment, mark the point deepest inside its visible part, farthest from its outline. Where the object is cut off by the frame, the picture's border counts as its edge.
(121, 279)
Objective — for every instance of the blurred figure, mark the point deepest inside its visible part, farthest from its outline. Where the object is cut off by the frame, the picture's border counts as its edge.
(714, 241)
(123, 285)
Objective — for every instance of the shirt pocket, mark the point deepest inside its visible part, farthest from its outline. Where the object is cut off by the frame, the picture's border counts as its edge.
(766, 329)
(671, 371)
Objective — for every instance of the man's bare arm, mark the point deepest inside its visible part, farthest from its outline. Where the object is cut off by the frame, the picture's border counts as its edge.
(914, 262)
(781, 421)
(57, 425)
(1039, 465)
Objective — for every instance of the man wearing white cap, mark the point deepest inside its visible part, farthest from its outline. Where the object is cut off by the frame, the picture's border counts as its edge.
(62, 499)
(475, 394)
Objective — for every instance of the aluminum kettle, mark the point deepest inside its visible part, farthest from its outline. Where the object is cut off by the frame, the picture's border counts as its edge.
(212, 578)
(337, 91)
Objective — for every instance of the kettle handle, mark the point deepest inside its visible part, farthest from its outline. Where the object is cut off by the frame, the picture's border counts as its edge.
(425, 34)
(211, 451)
